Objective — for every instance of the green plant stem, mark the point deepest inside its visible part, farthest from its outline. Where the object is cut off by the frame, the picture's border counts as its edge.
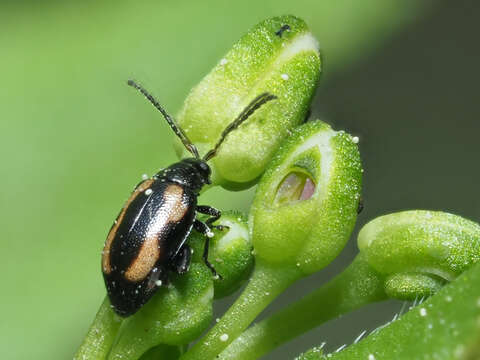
(163, 352)
(264, 286)
(99, 339)
(356, 286)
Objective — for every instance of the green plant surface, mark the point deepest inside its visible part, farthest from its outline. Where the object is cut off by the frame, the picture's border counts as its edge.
(444, 327)
(357, 286)
(75, 139)
(306, 234)
(101, 335)
(419, 251)
(286, 66)
(230, 253)
(177, 315)
(438, 241)
(163, 352)
(294, 237)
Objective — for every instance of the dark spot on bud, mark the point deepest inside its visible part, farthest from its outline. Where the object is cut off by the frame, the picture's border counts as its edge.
(282, 30)
(360, 206)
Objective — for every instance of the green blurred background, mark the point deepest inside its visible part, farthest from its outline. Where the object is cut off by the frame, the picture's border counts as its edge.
(401, 74)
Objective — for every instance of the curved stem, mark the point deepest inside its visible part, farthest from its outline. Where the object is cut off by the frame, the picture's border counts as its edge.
(99, 339)
(356, 286)
(264, 286)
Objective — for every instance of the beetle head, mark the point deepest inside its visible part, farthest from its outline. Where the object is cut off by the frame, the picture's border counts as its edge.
(191, 172)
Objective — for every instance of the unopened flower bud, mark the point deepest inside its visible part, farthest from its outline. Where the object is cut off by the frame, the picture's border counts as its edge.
(279, 56)
(230, 252)
(418, 251)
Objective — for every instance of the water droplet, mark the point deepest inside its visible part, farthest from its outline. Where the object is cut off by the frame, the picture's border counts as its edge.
(224, 337)
(423, 312)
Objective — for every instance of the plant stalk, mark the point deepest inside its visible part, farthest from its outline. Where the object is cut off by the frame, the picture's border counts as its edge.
(264, 286)
(99, 339)
(356, 286)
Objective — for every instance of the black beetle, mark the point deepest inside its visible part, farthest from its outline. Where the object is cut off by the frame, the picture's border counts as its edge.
(147, 240)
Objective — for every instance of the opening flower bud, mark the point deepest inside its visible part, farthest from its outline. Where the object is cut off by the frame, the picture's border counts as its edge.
(296, 186)
(305, 205)
(284, 63)
(302, 215)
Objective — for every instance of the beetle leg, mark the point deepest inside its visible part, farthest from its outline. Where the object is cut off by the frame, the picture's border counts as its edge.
(181, 262)
(214, 216)
(157, 277)
(205, 259)
(205, 230)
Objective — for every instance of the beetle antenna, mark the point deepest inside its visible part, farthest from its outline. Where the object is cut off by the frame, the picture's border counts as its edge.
(178, 130)
(254, 105)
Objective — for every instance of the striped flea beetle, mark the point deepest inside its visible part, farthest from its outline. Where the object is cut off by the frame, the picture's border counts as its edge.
(148, 238)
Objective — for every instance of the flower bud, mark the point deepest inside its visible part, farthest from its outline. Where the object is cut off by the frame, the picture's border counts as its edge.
(419, 251)
(285, 63)
(230, 252)
(306, 203)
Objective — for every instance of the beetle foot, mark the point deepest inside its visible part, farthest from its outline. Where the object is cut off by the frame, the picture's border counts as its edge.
(214, 272)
